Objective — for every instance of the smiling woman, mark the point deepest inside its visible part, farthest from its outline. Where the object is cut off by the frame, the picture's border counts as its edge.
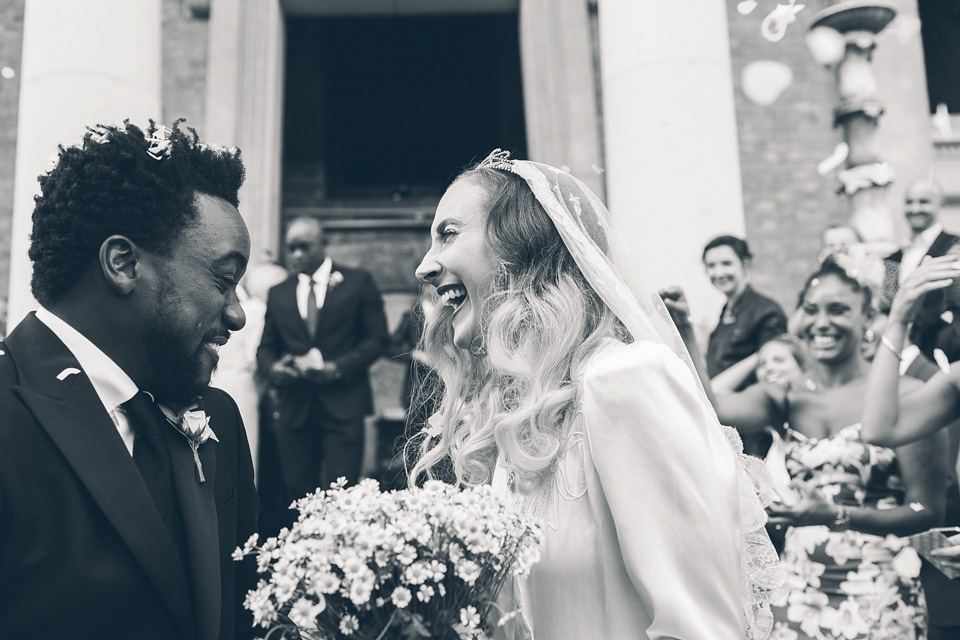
(748, 318)
(847, 496)
(565, 385)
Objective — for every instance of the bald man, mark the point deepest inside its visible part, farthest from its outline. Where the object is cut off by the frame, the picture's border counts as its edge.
(937, 324)
(324, 327)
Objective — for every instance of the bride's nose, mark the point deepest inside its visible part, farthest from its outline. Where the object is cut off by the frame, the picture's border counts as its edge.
(429, 270)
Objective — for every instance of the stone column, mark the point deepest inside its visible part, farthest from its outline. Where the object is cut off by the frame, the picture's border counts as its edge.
(560, 88)
(673, 166)
(244, 106)
(83, 63)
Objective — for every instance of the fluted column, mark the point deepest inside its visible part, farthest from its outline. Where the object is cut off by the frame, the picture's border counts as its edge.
(244, 105)
(83, 63)
(673, 165)
(560, 88)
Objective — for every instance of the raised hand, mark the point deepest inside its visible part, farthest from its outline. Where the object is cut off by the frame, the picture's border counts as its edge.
(677, 305)
(932, 274)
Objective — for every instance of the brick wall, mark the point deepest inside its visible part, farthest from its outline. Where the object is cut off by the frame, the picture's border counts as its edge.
(11, 39)
(786, 202)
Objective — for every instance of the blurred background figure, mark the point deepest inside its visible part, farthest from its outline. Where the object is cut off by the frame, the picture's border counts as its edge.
(416, 395)
(937, 323)
(841, 499)
(837, 238)
(237, 371)
(748, 318)
(324, 327)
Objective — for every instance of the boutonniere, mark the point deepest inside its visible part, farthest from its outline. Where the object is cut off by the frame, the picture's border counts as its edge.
(335, 279)
(194, 423)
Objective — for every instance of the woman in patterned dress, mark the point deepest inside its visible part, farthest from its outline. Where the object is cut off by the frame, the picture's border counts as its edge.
(852, 575)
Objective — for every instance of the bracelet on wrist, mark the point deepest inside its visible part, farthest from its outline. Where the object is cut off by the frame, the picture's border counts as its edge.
(842, 518)
(886, 342)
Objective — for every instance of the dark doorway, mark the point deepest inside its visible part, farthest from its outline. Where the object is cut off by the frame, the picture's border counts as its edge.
(383, 111)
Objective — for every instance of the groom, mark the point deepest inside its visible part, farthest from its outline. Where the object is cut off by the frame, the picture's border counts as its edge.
(114, 524)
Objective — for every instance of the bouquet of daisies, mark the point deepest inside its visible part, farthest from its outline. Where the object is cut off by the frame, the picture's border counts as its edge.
(420, 563)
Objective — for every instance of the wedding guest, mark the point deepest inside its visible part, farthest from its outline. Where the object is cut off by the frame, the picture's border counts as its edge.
(781, 360)
(837, 238)
(324, 327)
(116, 523)
(572, 394)
(236, 372)
(890, 420)
(748, 318)
(937, 319)
(851, 577)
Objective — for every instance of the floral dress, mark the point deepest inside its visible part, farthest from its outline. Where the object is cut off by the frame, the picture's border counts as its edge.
(848, 584)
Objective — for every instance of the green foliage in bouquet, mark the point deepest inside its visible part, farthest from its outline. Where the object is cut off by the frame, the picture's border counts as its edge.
(366, 565)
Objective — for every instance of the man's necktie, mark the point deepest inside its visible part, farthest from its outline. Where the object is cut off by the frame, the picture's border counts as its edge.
(312, 312)
(152, 457)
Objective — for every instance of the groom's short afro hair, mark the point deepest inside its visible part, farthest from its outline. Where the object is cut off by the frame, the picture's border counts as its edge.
(122, 181)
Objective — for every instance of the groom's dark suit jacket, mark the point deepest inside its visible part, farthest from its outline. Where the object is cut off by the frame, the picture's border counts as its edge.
(83, 550)
(351, 331)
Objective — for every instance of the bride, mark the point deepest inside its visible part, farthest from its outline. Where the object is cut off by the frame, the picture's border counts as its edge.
(566, 385)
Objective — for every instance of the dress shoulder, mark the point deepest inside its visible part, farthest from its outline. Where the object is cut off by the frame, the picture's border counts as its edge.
(617, 360)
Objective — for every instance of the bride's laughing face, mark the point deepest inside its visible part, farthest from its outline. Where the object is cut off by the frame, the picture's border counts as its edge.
(461, 264)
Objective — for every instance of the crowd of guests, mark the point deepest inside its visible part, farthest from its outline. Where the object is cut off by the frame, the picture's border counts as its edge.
(862, 453)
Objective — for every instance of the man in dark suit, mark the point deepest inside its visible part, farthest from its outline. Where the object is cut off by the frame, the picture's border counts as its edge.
(324, 327)
(937, 322)
(113, 523)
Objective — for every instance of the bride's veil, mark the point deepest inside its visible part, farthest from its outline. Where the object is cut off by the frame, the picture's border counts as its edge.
(600, 251)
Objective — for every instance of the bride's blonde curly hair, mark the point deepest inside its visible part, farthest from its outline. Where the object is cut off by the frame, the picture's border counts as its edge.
(515, 395)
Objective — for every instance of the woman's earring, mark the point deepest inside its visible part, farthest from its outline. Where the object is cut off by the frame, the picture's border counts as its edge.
(869, 335)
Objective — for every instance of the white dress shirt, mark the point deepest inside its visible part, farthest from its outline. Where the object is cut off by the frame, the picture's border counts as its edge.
(113, 386)
(913, 254)
(321, 278)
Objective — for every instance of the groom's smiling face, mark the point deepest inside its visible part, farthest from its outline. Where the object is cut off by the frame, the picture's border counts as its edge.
(195, 304)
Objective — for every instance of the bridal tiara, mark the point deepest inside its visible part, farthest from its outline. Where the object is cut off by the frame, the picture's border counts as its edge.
(498, 159)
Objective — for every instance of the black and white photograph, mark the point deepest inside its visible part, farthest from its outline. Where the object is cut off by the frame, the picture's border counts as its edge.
(480, 319)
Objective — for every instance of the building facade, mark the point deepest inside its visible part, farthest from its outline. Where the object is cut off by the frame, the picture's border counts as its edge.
(360, 112)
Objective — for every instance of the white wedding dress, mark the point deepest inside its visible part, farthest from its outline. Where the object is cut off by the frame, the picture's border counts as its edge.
(641, 517)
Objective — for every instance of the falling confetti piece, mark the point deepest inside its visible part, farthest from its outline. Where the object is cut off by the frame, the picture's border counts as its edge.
(774, 26)
(765, 80)
(8, 73)
(834, 160)
(746, 7)
(827, 45)
(905, 27)
(942, 361)
(916, 506)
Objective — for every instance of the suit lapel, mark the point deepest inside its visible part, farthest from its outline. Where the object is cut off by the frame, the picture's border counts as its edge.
(287, 307)
(200, 519)
(943, 242)
(71, 413)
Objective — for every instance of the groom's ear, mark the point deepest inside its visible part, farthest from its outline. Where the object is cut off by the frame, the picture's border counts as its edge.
(119, 263)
